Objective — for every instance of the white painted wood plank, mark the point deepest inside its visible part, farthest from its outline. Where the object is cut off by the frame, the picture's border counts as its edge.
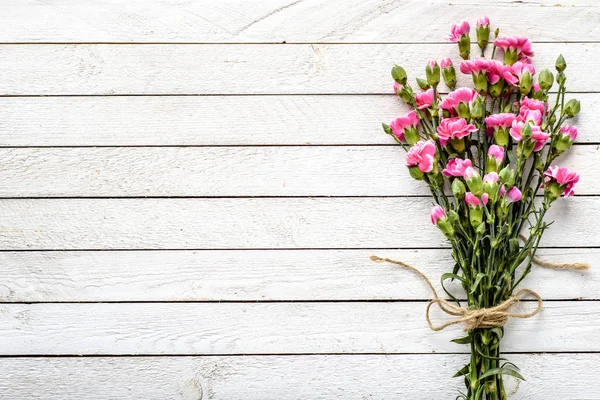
(203, 120)
(244, 223)
(274, 328)
(326, 377)
(102, 69)
(257, 275)
(279, 20)
(230, 171)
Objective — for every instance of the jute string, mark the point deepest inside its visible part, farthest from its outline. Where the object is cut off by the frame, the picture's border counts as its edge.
(578, 266)
(479, 318)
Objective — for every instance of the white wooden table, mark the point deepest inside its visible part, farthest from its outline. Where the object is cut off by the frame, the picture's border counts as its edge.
(190, 191)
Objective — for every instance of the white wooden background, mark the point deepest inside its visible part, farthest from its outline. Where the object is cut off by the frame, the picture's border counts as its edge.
(190, 191)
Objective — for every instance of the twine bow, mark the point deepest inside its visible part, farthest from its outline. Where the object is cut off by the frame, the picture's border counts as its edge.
(479, 318)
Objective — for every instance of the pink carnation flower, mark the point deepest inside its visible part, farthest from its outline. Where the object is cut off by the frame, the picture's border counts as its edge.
(497, 70)
(473, 201)
(397, 87)
(476, 66)
(445, 63)
(424, 99)
(568, 130)
(462, 28)
(398, 125)
(531, 110)
(491, 178)
(453, 128)
(563, 177)
(482, 22)
(497, 152)
(540, 138)
(437, 213)
(519, 44)
(513, 195)
(422, 154)
(462, 95)
(498, 121)
(456, 167)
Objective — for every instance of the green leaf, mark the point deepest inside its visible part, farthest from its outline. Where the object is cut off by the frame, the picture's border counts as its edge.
(501, 371)
(449, 275)
(498, 332)
(478, 279)
(463, 340)
(463, 371)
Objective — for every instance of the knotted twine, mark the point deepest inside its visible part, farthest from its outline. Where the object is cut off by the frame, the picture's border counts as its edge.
(491, 317)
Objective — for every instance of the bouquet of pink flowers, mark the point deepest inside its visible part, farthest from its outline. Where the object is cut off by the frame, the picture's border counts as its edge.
(487, 155)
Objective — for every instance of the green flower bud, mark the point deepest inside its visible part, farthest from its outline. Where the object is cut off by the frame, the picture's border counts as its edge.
(572, 108)
(399, 74)
(416, 173)
(476, 216)
(546, 79)
(525, 83)
(474, 181)
(448, 73)
(561, 64)
(477, 110)
(458, 189)
(561, 78)
(386, 128)
(446, 227)
(483, 34)
(432, 72)
(507, 177)
(464, 46)
(422, 83)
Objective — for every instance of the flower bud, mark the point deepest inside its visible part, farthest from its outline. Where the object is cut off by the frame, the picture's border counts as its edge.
(477, 110)
(501, 137)
(386, 128)
(507, 176)
(572, 108)
(422, 83)
(546, 79)
(476, 216)
(448, 73)
(483, 32)
(561, 78)
(463, 111)
(474, 181)
(432, 71)
(464, 46)
(490, 186)
(399, 74)
(526, 131)
(411, 135)
(458, 189)
(561, 64)
(525, 83)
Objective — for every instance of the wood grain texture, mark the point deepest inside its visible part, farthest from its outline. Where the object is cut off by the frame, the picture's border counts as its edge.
(220, 275)
(275, 328)
(287, 20)
(227, 171)
(208, 120)
(104, 69)
(332, 377)
(253, 223)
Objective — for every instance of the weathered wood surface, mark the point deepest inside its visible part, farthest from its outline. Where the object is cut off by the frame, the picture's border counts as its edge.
(238, 275)
(327, 377)
(288, 20)
(105, 69)
(230, 171)
(217, 120)
(275, 328)
(252, 223)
